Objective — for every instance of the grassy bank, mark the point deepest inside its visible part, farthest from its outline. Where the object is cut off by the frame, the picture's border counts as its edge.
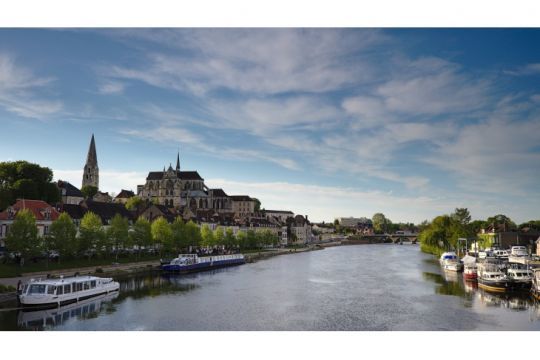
(14, 270)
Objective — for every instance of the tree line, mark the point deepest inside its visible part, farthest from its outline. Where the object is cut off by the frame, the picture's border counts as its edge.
(93, 239)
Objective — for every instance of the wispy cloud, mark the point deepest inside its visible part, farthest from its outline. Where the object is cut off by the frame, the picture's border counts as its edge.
(111, 87)
(17, 90)
(529, 69)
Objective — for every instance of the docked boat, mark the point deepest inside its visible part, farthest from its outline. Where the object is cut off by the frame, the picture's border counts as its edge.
(470, 269)
(535, 288)
(492, 278)
(191, 262)
(521, 277)
(518, 251)
(452, 265)
(64, 291)
(501, 254)
(450, 255)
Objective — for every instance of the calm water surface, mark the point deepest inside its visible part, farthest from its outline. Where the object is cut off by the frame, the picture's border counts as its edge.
(363, 287)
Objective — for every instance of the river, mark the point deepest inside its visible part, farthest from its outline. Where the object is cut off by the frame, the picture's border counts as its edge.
(360, 287)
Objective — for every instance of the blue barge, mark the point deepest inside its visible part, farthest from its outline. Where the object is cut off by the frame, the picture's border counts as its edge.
(185, 263)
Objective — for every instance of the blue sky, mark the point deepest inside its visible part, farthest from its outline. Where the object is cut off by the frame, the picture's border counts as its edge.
(324, 122)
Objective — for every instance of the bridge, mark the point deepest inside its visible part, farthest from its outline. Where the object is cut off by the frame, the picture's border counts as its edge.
(381, 239)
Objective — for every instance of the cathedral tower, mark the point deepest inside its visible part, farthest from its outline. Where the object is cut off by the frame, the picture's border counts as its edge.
(91, 170)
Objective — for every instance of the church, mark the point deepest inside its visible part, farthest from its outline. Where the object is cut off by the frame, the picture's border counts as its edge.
(183, 189)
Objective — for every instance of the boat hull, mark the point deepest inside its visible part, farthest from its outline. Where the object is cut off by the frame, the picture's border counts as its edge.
(495, 286)
(202, 266)
(470, 276)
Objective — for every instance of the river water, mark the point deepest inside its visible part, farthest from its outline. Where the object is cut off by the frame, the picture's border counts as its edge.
(361, 287)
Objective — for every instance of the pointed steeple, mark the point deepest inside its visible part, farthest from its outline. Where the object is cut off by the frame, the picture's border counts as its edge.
(91, 170)
(178, 161)
(91, 158)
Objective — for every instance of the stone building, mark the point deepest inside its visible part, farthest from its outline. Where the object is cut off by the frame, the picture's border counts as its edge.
(183, 189)
(243, 205)
(91, 170)
(69, 193)
(123, 196)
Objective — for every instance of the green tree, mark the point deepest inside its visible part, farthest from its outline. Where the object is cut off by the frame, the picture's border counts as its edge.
(252, 239)
(23, 236)
(462, 216)
(241, 239)
(193, 234)
(134, 203)
(117, 233)
(380, 223)
(502, 220)
(219, 236)
(141, 234)
(257, 204)
(207, 236)
(180, 240)
(63, 236)
(441, 235)
(161, 233)
(91, 234)
(89, 191)
(21, 179)
(229, 240)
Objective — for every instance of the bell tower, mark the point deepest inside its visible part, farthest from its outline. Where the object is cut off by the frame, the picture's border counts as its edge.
(91, 170)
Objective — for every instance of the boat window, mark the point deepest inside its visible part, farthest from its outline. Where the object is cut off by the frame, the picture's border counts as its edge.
(79, 287)
(36, 289)
(51, 289)
(25, 288)
(60, 290)
(92, 284)
(86, 285)
(67, 289)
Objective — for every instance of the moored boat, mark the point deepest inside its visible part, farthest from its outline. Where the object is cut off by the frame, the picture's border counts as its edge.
(63, 291)
(470, 272)
(452, 265)
(492, 278)
(535, 288)
(521, 277)
(450, 255)
(192, 262)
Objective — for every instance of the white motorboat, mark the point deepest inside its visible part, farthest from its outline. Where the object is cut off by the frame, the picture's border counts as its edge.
(501, 254)
(63, 291)
(521, 277)
(450, 255)
(452, 265)
(492, 278)
(519, 251)
(535, 288)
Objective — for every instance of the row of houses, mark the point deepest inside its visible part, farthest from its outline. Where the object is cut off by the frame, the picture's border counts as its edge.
(290, 229)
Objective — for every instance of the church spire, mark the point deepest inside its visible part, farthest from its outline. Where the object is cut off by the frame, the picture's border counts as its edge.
(178, 161)
(91, 170)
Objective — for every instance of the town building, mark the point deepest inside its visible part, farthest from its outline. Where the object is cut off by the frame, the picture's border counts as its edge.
(91, 170)
(106, 211)
(281, 215)
(300, 229)
(69, 193)
(44, 213)
(123, 196)
(353, 222)
(102, 197)
(243, 205)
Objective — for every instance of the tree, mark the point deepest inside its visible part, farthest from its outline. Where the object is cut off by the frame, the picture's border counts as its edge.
(22, 236)
(21, 179)
(89, 191)
(257, 204)
(180, 240)
(219, 236)
(207, 236)
(251, 238)
(134, 203)
(63, 236)
(241, 239)
(141, 235)
(229, 239)
(193, 234)
(440, 235)
(117, 233)
(161, 233)
(380, 223)
(92, 236)
(462, 215)
(502, 220)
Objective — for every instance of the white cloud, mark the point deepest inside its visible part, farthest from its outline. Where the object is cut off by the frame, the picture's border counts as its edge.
(111, 181)
(111, 87)
(529, 69)
(17, 95)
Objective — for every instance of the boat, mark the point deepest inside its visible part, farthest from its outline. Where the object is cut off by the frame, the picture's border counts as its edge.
(535, 288)
(470, 269)
(64, 290)
(518, 251)
(452, 265)
(521, 277)
(192, 262)
(501, 254)
(450, 255)
(492, 278)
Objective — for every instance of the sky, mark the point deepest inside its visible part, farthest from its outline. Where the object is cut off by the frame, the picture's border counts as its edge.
(327, 123)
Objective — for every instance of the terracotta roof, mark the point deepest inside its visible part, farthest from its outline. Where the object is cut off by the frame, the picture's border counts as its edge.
(37, 207)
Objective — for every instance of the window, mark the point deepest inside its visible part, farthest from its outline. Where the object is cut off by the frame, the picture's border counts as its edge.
(86, 285)
(67, 289)
(37, 289)
(60, 290)
(79, 286)
(92, 284)
(50, 289)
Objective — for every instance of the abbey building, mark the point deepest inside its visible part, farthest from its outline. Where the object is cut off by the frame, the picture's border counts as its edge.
(91, 170)
(183, 189)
